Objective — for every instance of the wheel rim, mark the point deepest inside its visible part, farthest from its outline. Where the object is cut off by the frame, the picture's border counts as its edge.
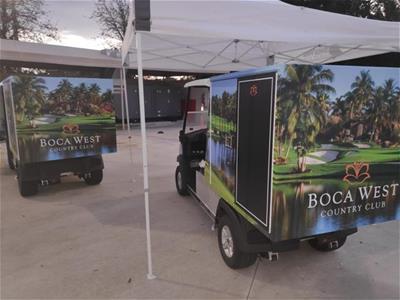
(179, 180)
(227, 241)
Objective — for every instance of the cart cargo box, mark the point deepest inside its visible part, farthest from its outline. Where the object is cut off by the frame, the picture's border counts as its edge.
(294, 151)
(56, 125)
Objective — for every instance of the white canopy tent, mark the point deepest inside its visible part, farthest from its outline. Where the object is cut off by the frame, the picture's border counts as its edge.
(223, 36)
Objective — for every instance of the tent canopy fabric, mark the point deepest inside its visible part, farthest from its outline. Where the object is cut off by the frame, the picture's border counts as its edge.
(222, 36)
(19, 51)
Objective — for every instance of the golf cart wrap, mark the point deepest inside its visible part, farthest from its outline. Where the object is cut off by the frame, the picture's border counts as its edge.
(57, 125)
(297, 151)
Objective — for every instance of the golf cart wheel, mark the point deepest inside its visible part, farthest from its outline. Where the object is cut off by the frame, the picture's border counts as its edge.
(326, 244)
(180, 181)
(27, 188)
(94, 177)
(228, 246)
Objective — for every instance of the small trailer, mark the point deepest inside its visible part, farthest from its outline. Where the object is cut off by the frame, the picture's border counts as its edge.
(287, 153)
(56, 125)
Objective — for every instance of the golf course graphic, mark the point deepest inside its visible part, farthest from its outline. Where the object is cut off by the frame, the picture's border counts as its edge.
(337, 132)
(58, 118)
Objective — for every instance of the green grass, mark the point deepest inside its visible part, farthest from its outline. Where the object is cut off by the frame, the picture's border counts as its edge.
(88, 122)
(222, 191)
(221, 124)
(376, 157)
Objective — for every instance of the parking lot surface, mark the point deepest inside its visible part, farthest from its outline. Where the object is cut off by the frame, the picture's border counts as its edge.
(78, 241)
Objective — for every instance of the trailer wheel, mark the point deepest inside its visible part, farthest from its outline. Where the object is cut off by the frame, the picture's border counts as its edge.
(228, 246)
(27, 188)
(326, 244)
(94, 177)
(180, 181)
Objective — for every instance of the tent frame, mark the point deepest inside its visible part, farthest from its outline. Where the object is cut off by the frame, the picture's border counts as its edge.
(138, 39)
(150, 274)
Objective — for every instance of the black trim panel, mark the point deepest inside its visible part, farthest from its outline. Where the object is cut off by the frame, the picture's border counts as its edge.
(255, 144)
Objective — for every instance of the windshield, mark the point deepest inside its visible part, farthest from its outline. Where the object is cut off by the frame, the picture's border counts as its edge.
(197, 109)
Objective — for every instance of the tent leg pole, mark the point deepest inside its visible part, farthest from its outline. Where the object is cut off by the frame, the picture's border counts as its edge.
(122, 88)
(150, 274)
(128, 124)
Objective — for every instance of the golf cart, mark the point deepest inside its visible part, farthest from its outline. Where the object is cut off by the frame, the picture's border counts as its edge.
(282, 154)
(52, 131)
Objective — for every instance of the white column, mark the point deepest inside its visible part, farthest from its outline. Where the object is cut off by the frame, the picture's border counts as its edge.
(150, 274)
(122, 88)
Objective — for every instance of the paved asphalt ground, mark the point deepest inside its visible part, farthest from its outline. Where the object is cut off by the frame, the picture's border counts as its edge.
(79, 241)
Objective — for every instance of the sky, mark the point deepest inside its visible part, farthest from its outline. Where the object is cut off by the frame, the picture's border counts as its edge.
(75, 27)
(345, 76)
(219, 87)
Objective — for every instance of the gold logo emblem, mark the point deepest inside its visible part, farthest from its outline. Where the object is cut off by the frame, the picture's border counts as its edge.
(71, 128)
(253, 90)
(357, 172)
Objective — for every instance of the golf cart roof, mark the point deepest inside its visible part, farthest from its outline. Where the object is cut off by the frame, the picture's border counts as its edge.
(199, 82)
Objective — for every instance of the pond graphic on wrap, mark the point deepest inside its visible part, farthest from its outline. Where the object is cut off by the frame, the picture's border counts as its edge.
(336, 149)
(58, 118)
(221, 148)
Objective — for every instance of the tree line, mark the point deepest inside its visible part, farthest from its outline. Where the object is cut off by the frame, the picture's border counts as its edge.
(388, 10)
(374, 110)
(225, 106)
(367, 112)
(32, 98)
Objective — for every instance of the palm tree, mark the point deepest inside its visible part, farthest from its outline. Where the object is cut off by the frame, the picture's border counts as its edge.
(384, 109)
(107, 97)
(61, 97)
(304, 105)
(29, 93)
(377, 112)
(94, 94)
(341, 108)
(392, 96)
(79, 95)
(279, 129)
(362, 92)
(339, 115)
(64, 94)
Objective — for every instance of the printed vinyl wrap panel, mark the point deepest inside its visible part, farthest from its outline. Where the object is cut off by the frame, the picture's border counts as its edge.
(58, 118)
(336, 149)
(221, 140)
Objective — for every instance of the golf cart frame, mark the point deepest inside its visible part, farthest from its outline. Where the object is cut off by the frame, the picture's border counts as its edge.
(242, 235)
(31, 175)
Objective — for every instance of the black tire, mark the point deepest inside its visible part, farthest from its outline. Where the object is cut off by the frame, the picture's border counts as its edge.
(94, 177)
(181, 181)
(27, 188)
(326, 244)
(237, 259)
